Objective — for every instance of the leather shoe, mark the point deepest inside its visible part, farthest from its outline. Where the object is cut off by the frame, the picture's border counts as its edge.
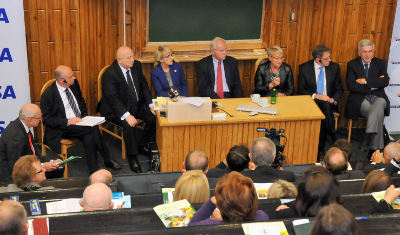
(114, 165)
(134, 164)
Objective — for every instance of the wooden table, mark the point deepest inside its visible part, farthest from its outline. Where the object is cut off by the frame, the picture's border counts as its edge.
(299, 116)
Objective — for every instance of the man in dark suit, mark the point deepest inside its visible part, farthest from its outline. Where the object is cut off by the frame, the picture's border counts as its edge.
(63, 107)
(367, 78)
(320, 78)
(17, 141)
(127, 99)
(389, 159)
(336, 162)
(262, 152)
(218, 74)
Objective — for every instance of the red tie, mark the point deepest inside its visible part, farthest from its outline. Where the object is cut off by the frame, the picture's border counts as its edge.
(30, 141)
(220, 88)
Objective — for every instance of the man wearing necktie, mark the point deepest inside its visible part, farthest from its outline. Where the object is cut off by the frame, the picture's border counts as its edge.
(367, 78)
(218, 74)
(63, 106)
(127, 99)
(17, 141)
(320, 78)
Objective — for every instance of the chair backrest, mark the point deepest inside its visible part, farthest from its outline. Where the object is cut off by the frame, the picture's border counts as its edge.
(260, 60)
(99, 91)
(45, 86)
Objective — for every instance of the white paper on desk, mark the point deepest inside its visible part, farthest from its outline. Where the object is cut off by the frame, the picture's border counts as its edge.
(64, 206)
(197, 101)
(265, 228)
(91, 121)
(118, 199)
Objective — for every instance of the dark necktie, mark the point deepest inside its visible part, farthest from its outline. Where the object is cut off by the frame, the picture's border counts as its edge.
(366, 69)
(30, 141)
(220, 87)
(72, 103)
(131, 85)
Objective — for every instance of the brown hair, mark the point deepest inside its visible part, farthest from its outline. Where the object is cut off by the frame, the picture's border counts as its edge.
(13, 217)
(282, 189)
(192, 186)
(23, 170)
(376, 181)
(236, 197)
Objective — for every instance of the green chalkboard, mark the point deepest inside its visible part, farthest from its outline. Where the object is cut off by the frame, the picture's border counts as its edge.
(202, 20)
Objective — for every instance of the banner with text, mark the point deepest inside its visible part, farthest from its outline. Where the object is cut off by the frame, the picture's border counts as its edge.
(14, 76)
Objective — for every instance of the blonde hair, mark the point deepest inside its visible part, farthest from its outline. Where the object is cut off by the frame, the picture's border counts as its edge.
(282, 189)
(192, 186)
(274, 49)
(162, 51)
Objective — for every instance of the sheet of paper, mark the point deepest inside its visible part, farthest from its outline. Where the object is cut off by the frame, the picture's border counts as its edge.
(127, 200)
(91, 121)
(64, 206)
(262, 189)
(118, 199)
(264, 228)
(197, 101)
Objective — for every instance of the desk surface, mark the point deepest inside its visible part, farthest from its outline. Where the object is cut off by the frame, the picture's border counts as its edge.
(291, 108)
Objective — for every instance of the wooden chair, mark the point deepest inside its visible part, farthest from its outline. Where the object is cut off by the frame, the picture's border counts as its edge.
(115, 129)
(65, 143)
(349, 126)
(336, 116)
(260, 60)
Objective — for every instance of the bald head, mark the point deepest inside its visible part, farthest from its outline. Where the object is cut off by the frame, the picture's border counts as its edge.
(64, 76)
(13, 218)
(125, 57)
(335, 161)
(392, 150)
(101, 176)
(97, 196)
(196, 160)
(30, 115)
(262, 151)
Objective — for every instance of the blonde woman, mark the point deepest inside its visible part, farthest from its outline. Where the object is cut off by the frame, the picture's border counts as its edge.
(192, 186)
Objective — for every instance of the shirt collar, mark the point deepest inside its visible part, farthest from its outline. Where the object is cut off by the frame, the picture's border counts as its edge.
(60, 87)
(317, 66)
(216, 61)
(123, 69)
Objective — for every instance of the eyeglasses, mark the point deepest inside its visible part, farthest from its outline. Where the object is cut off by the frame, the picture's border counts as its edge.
(277, 58)
(367, 52)
(168, 56)
(327, 58)
(36, 118)
(41, 170)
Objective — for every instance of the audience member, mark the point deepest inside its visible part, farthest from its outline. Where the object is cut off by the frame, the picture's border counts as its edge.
(237, 159)
(63, 107)
(13, 218)
(282, 189)
(335, 161)
(192, 186)
(366, 79)
(390, 157)
(126, 100)
(101, 176)
(274, 74)
(384, 205)
(376, 181)
(96, 197)
(17, 141)
(218, 74)
(236, 200)
(262, 152)
(334, 219)
(345, 146)
(167, 74)
(320, 78)
(196, 160)
(317, 189)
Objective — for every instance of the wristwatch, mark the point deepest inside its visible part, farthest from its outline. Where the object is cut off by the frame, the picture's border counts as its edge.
(365, 82)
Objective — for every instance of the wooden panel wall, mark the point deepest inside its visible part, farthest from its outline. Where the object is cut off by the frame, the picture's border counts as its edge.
(85, 34)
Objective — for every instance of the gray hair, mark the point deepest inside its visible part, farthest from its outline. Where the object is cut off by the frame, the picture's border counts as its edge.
(263, 151)
(274, 49)
(27, 111)
(365, 43)
(58, 74)
(213, 43)
(392, 150)
(319, 50)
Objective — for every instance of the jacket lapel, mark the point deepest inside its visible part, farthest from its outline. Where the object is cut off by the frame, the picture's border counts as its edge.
(227, 74)
(57, 100)
(312, 75)
(211, 70)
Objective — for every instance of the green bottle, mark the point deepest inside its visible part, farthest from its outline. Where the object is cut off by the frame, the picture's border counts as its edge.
(273, 97)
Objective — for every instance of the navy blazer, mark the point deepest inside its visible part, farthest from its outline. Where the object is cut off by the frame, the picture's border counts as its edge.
(160, 81)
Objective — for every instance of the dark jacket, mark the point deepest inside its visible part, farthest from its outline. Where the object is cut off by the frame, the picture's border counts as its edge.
(268, 174)
(264, 77)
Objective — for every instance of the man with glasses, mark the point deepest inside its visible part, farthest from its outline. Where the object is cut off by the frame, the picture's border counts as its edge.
(17, 141)
(218, 74)
(367, 78)
(321, 79)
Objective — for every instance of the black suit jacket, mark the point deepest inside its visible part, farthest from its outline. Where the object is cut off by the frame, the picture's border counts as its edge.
(268, 174)
(117, 98)
(53, 114)
(264, 78)
(351, 175)
(14, 143)
(307, 80)
(206, 77)
(358, 92)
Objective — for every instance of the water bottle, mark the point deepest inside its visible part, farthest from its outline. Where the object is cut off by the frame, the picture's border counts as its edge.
(273, 97)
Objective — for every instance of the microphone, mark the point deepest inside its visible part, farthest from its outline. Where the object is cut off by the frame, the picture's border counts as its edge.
(65, 81)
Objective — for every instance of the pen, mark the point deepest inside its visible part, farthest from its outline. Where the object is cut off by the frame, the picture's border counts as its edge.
(361, 218)
(122, 204)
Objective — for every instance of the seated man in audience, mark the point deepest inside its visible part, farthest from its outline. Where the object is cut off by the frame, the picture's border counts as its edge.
(335, 161)
(262, 152)
(101, 176)
(63, 107)
(218, 74)
(390, 158)
(17, 141)
(237, 159)
(196, 160)
(13, 218)
(27, 175)
(96, 197)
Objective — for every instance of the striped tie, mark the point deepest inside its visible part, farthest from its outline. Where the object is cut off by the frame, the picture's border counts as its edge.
(72, 103)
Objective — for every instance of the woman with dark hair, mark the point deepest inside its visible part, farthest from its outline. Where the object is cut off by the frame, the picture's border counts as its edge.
(376, 181)
(317, 189)
(335, 220)
(236, 201)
